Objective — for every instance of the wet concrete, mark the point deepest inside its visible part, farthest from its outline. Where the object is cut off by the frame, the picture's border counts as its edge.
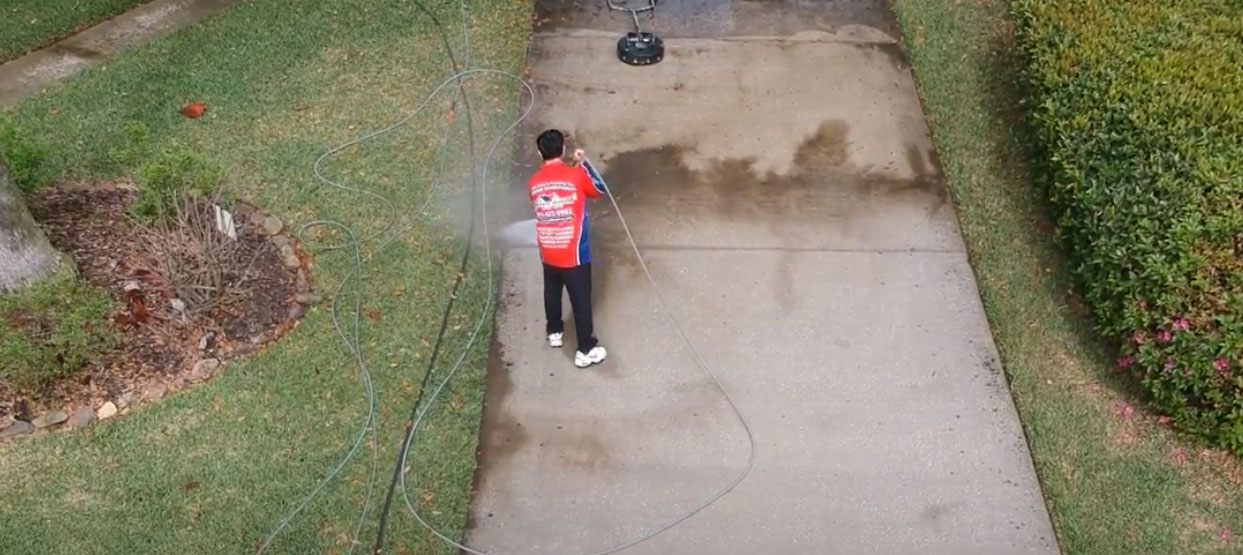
(843, 19)
(40, 69)
(784, 192)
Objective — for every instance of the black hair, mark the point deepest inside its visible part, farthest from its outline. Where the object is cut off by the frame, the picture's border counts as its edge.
(551, 144)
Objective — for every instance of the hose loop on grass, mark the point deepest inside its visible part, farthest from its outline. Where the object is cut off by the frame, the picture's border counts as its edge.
(352, 338)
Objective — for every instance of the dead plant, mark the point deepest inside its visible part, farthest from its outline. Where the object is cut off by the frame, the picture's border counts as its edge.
(194, 260)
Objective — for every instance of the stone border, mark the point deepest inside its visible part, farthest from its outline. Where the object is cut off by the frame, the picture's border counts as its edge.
(70, 417)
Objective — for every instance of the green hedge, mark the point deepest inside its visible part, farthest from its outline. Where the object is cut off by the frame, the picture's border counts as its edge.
(1137, 107)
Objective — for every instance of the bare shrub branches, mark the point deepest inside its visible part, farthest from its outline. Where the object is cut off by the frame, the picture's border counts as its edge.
(194, 260)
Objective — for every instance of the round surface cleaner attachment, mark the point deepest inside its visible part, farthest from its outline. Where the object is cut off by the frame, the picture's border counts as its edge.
(640, 49)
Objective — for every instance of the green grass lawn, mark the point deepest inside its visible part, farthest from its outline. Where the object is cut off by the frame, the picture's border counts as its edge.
(1116, 480)
(26, 25)
(61, 323)
(214, 469)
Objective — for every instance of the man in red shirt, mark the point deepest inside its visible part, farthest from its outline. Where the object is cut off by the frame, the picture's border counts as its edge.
(559, 193)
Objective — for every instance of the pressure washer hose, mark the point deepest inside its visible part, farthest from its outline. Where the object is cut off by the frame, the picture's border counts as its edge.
(352, 340)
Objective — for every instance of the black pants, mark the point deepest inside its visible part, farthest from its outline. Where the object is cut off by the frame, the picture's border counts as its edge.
(577, 281)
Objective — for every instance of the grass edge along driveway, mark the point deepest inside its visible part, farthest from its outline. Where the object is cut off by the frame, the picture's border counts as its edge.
(1115, 479)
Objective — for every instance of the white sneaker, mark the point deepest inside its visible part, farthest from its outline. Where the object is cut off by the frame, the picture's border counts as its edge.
(595, 356)
(554, 340)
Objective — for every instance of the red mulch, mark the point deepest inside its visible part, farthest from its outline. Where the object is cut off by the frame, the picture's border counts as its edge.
(92, 225)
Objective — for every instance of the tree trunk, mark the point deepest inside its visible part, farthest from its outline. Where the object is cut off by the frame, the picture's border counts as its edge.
(25, 253)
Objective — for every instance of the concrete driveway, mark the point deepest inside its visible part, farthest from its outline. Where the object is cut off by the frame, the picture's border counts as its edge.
(777, 172)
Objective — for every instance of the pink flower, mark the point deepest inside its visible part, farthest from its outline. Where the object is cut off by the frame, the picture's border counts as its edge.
(1169, 365)
(1164, 420)
(1226, 535)
(1223, 367)
(1126, 409)
(1181, 324)
(1164, 336)
(1139, 337)
(1126, 362)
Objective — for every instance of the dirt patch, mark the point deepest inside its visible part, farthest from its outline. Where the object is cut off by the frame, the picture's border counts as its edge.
(1201, 534)
(1213, 476)
(163, 345)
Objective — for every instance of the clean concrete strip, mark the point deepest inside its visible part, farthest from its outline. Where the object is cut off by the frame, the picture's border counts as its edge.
(813, 255)
(40, 69)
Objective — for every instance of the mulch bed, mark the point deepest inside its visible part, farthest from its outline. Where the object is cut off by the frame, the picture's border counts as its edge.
(161, 350)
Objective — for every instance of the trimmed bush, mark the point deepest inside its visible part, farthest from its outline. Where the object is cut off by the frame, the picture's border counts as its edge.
(1138, 111)
(26, 158)
(170, 175)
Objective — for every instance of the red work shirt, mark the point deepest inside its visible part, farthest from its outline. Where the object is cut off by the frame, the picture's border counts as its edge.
(559, 194)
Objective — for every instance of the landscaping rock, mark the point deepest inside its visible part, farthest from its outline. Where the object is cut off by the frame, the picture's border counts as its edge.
(205, 368)
(207, 341)
(107, 410)
(282, 241)
(272, 225)
(307, 298)
(50, 419)
(81, 418)
(125, 400)
(244, 209)
(296, 311)
(257, 219)
(15, 429)
(290, 256)
(155, 392)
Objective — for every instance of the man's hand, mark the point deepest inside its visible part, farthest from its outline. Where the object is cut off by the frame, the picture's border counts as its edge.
(578, 155)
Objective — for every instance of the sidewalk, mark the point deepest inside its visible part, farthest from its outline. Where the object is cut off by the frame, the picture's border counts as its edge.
(40, 69)
(777, 173)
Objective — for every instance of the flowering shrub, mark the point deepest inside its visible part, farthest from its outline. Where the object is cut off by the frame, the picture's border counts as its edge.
(1138, 112)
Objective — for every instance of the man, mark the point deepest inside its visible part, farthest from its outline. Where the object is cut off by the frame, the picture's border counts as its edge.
(559, 193)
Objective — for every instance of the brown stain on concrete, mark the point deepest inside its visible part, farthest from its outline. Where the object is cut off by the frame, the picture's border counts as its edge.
(937, 513)
(83, 52)
(500, 434)
(580, 451)
(824, 186)
(890, 50)
(783, 285)
(823, 181)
